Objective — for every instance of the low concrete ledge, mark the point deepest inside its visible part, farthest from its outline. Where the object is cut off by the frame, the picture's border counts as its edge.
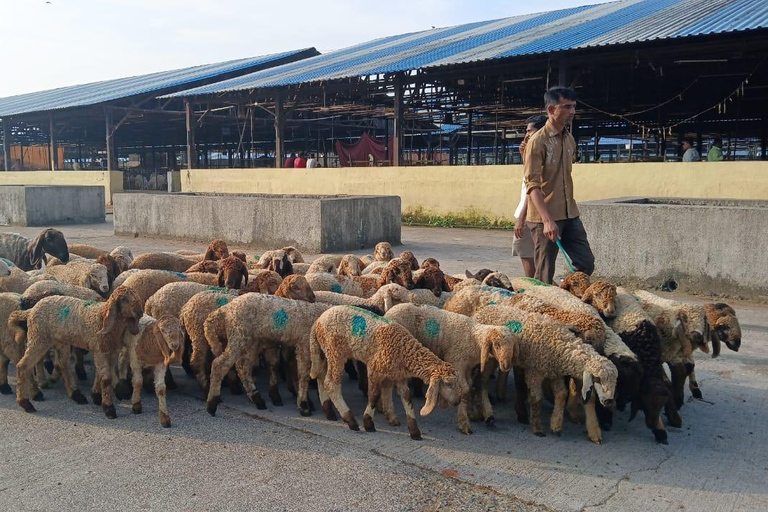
(30, 205)
(710, 246)
(310, 223)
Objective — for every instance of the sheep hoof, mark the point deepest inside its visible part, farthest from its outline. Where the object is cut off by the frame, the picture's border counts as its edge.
(79, 398)
(490, 421)
(5, 389)
(80, 372)
(413, 429)
(660, 435)
(304, 409)
(255, 397)
(598, 440)
(675, 421)
(350, 421)
(123, 390)
(212, 405)
(696, 392)
(26, 405)
(274, 395)
(136, 408)
(38, 396)
(466, 430)
(540, 434)
(557, 433)
(522, 419)
(165, 420)
(109, 412)
(330, 414)
(95, 397)
(368, 424)
(394, 422)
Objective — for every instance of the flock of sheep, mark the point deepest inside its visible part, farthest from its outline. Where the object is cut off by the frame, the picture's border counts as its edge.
(391, 323)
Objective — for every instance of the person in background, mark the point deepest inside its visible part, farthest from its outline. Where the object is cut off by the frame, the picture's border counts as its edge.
(690, 154)
(300, 162)
(522, 244)
(311, 161)
(715, 153)
(289, 162)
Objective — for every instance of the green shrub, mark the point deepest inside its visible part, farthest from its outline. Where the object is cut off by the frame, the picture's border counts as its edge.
(470, 218)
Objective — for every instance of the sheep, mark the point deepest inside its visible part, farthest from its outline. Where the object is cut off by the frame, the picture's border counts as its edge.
(301, 268)
(722, 319)
(86, 251)
(282, 265)
(61, 322)
(391, 354)
(11, 351)
(576, 283)
(498, 280)
(396, 271)
(328, 264)
(18, 280)
(209, 266)
(460, 341)
(601, 295)
(293, 255)
(43, 289)
(590, 329)
(202, 278)
(170, 299)
(233, 273)
(146, 282)
(264, 281)
(385, 297)
(469, 299)
(30, 254)
(216, 250)
(432, 279)
(382, 253)
(125, 274)
(637, 330)
(123, 256)
(480, 275)
(408, 256)
(163, 261)
(547, 350)
(156, 345)
(112, 266)
(83, 273)
(350, 265)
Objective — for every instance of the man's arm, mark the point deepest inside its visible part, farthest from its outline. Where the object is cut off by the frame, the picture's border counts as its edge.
(534, 166)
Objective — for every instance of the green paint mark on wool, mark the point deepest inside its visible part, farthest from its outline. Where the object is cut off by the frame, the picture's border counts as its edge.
(181, 275)
(222, 301)
(370, 314)
(280, 319)
(336, 288)
(514, 326)
(359, 325)
(534, 282)
(432, 327)
(217, 289)
(64, 313)
(492, 303)
(90, 303)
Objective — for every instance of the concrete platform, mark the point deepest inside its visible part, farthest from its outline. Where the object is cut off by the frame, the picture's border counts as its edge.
(34, 205)
(310, 223)
(701, 244)
(68, 457)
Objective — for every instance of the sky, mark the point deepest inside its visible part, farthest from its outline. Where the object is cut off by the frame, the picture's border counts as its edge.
(54, 43)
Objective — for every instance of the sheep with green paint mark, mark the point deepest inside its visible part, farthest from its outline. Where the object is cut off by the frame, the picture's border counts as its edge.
(391, 354)
(42, 289)
(82, 273)
(11, 350)
(461, 341)
(469, 299)
(396, 271)
(549, 351)
(171, 298)
(147, 282)
(385, 297)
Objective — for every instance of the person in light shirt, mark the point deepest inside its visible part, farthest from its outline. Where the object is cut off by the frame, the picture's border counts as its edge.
(690, 154)
(522, 244)
(311, 161)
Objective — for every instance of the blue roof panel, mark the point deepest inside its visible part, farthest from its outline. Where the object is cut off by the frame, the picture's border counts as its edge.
(163, 81)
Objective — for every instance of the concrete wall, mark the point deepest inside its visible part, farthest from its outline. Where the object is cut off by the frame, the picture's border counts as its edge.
(706, 246)
(45, 206)
(490, 190)
(310, 223)
(112, 181)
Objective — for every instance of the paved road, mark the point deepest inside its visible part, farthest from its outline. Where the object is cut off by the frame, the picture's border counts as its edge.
(68, 456)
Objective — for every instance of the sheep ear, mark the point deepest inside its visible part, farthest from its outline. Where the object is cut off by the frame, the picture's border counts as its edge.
(245, 277)
(389, 300)
(420, 281)
(485, 354)
(431, 397)
(109, 322)
(37, 252)
(469, 274)
(681, 333)
(587, 297)
(208, 254)
(445, 286)
(586, 386)
(220, 278)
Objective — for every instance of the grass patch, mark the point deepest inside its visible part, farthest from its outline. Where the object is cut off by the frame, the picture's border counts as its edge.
(470, 218)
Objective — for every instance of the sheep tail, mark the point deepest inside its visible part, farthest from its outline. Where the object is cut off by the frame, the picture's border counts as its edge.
(17, 325)
(315, 353)
(215, 331)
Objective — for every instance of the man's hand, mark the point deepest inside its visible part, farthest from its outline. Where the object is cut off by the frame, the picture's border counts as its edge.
(550, 230)
(519, 229)
(524, 143)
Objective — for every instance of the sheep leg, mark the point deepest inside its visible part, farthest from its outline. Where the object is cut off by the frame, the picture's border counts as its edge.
(123, 388)
(679, 374)
(80, 364)
(41, 377)
(593, 425)
(461, 411)
(387, 405)
(186, 357)
(219, 369)
(501, 386)
(332, 383)
(34, 353)
(485, 400)
(244, 367)
(374, 393)
(303, 365)
(165, 418)
(197, 361)
(5, 389)
(673, 417)
(137, 381)
(62, 364)
(521, 392)
(325, 400)
(105, 369)
(272, 356)
(561, 395)
(405, 397)
(362, 378)
(693, 385)
(574, 401)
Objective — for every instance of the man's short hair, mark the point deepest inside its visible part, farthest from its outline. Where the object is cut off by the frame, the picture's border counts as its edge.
(718, 142)
(538, 121)
(688, 140)
(557, 94)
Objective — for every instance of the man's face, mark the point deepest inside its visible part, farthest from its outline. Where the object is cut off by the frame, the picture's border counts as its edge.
(564, 112)
(530, 130)
(686, 146)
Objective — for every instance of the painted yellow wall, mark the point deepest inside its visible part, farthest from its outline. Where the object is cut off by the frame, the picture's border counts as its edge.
(490, 190)
(112, 181)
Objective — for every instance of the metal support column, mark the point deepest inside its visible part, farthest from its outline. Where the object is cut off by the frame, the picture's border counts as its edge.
(191, 153)
(53, 149)
(7, 144)
(279, 131)
(110, 142)
(397, 129)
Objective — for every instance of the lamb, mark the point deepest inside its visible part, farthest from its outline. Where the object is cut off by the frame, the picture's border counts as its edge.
(408, 256)
(112, 266)
(350, 265)
(498, 280)
(282, 265)
(637, 330)
(157, 344)
(722, 319)
(462, 342)
(264, 281)
(385, 297)
(86, 251)
(18, 280)
(83, 273)
(601, 295)
(167, 261)
(11, 351)
(391, 355)
(123, 256)
(549, 351)
(382, 253)
(328, 264)
(171, 298)
(576, 283)
(61, 322)
(432, 279)
(43, 289)
(30, 254)
(293, 255)
(588, 327)
(233, 273)
(396, 271)
(469, 299)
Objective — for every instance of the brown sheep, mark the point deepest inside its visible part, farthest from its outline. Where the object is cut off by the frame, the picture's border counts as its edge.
(293, 254)
(430, 262)
(408, 256)
(169, 261)
(217, 250)
(722, 320)
(480, 275)
(601, 295)
(576, 283)
(241, 255)
(62, 322)
(281, 264)
(86, 251)
(233, 273)
(350, 266)
(113, 268)
(265, 281)
(208, 266)
(432, 279)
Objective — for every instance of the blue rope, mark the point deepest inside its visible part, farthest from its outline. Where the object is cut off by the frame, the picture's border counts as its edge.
(567, 258)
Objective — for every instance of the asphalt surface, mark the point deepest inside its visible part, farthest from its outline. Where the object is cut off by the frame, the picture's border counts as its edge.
(68, 457)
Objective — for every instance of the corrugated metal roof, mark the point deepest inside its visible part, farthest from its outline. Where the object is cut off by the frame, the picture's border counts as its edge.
(110, 90)
(624, 21)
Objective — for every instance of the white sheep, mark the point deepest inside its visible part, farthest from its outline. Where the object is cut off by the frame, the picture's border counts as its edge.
(83, 273)
(462, 342)
(11, 350)
(17, 281)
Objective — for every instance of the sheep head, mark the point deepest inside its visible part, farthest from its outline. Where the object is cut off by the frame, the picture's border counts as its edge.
(432, 279)
(724, 324)
(281, 264)
(601, 295)
(576, 283)
(444, 384)
(409, 257)
(240, 255)
(50, 241)
(169, 329)
(502, 344)
(397, 271)
(383, 252)
(296, 287)
(350, 265)
(233, 273)
(206, 266)
(123, 256)
(430, 262)
(480, 275)
(498, 280)
(123, 308)
(217, 250)
(293, 254)
(113, 268)
(600, 376)
(98, 279)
